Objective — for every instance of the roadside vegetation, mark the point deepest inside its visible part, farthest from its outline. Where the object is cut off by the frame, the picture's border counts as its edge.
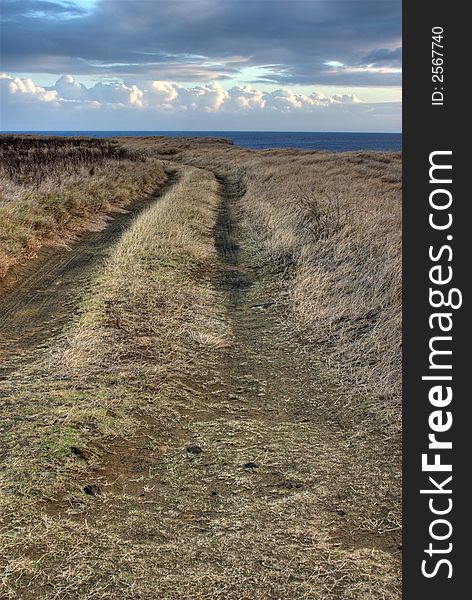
(333, 225)
(54, 188)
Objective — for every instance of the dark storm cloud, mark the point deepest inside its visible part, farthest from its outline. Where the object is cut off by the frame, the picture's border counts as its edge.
(383, 56)
(332, 76)
(203, 39)
(15, 10)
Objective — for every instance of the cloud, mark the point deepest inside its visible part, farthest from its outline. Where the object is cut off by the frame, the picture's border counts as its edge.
(345, 98)
(116, 93)
(161, 104)
(163, 92)
(24, 90)
(69, 89)
(383, 56)
(166, 95)
(291, 42)
(210, 97)
(244, 97)
(40, 8)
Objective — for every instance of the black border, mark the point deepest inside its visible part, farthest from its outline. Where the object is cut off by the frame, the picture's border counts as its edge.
(427, 128)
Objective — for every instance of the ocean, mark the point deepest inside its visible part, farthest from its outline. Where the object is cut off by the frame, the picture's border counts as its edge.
(261, 140)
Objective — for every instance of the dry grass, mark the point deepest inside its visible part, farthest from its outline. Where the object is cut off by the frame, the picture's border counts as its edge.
(151, 312)
(157, 364)
(53, 188)
(331, 228)
(335, 224)
(148, 305)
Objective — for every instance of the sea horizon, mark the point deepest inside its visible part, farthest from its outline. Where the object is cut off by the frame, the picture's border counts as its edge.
(332, 141)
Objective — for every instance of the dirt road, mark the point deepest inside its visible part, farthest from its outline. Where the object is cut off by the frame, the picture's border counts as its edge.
(252, 482)
(50, 288)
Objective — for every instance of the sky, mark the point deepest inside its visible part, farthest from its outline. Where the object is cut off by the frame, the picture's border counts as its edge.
(270, 65)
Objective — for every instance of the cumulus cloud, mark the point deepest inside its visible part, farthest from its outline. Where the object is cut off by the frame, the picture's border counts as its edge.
(168, 96)
(116, 93)
(209, 98)
(163, 92)
(25, 90)
(244, 97)
(345, 98)
(161, 104)
(69, 89)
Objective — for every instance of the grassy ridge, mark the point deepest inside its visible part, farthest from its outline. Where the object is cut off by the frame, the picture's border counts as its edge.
(333, 224)
(53, 188)
(149, 303)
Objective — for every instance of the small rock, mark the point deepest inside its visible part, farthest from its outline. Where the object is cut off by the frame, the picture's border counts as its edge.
(92, 490)
(341, 512)
(263, 305)
(251, 465)
(78, 452)
(289, 484)
(194, 450)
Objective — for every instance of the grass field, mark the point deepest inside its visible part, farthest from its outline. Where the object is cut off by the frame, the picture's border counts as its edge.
(219, 417)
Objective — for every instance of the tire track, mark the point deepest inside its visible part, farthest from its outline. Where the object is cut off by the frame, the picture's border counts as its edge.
(234, 277)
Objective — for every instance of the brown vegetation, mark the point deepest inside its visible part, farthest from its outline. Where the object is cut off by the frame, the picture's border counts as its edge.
(114, 374)
(331, 230)
(177, 440)
(151, 300)
(53, 188)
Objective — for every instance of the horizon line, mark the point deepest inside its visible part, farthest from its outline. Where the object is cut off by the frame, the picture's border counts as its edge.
(190, 131)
